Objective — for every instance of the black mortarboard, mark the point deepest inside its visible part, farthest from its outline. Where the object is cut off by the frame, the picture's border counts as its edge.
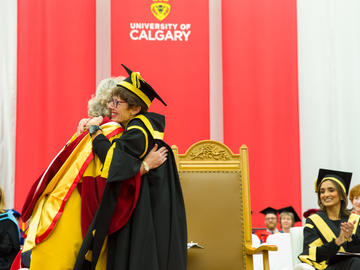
(137, 85)
(342, 178)
(268, 210)
(290, 209)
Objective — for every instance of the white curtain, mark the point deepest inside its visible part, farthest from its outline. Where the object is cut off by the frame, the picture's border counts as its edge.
(8, 56)
(329, 90)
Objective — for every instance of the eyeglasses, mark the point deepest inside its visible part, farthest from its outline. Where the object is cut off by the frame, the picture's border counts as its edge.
(116, 102)
(270, 218)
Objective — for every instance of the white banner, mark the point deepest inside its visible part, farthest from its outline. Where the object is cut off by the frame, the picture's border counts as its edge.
(8, 56)
(329, 90)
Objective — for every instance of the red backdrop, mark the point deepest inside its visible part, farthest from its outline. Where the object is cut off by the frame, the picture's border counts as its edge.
(177, 70)
(261, 98)
(56, 76)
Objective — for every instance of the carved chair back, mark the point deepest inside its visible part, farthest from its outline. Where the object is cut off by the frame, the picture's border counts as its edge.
(215, 185)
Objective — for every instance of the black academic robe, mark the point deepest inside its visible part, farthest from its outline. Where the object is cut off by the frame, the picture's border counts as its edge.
(155, 237)
(320, 248)
(9, 240)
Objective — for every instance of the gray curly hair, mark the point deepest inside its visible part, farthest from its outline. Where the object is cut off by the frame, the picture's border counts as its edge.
(97, 105)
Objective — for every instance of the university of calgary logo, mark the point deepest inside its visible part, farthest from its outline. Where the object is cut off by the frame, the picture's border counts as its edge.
(160, 9)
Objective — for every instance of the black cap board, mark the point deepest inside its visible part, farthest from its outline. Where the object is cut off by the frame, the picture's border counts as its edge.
(340, 177)
(269, 210)
(137, 85)
(290, 209)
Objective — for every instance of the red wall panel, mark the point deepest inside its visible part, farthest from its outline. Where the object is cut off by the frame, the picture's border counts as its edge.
(177, 70)
(261, 98)
(56, 77)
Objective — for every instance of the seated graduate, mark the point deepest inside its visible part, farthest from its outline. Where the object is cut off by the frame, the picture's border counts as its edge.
(270, 223)
(287, 218)
(354, 197)
(9, 235)
(333, 228)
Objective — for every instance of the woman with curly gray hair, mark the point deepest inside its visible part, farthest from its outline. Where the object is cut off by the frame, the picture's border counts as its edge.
(98, 104)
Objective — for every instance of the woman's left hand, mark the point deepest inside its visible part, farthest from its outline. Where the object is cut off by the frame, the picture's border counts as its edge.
(82, 126)
(94, 121)
(85, 123)
(156, 157)
(347, 228)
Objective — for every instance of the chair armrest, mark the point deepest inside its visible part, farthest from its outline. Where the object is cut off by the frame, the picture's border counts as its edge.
(260, 249)
(264, 250)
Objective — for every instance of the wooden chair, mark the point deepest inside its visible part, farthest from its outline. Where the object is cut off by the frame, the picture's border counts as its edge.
(215, 184)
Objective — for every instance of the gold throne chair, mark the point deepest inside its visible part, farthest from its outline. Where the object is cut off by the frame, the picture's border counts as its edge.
(215, 184)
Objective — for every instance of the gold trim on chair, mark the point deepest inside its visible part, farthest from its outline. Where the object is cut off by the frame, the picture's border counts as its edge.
(209, 173)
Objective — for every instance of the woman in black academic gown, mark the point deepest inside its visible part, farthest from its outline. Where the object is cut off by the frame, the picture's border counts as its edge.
(333, 229)
(155, 236)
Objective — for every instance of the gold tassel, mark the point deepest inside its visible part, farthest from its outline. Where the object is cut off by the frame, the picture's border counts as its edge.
(136, 78)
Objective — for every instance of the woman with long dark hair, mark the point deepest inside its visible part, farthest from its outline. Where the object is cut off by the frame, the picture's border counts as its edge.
(332, 233)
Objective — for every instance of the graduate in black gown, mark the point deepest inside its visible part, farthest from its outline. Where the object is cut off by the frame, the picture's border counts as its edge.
(333, 229)
(9, 235)
(155, 236)
(270, 220)
(287, 218)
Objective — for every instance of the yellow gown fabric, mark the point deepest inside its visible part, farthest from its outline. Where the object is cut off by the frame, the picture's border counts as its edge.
(60, 249)
(56, 245)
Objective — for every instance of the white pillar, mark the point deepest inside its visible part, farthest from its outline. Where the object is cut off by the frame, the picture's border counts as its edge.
(103, 39)
(215, 72)
(8, 56)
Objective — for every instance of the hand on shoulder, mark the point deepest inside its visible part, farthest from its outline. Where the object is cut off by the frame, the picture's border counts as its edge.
(85, 123)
